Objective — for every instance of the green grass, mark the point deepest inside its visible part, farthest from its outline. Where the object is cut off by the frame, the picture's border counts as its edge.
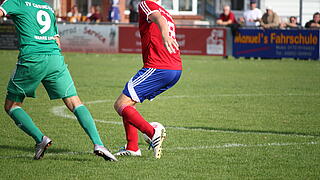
(249, 119)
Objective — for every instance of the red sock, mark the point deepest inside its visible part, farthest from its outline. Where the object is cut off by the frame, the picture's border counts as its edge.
(131, 135)
(132, 116)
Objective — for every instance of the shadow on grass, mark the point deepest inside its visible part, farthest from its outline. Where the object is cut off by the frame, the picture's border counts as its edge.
(30, 149)
(51, 154)
(245, 131)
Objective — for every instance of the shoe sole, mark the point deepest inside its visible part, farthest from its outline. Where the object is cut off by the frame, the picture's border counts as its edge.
(105, 157)
(126, 154)
(159, 151)
(44, 150)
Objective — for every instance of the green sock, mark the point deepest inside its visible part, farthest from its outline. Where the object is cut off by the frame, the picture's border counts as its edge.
(24, 122)
(86, 121)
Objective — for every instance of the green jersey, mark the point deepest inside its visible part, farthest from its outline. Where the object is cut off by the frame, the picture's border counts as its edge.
(35, 23)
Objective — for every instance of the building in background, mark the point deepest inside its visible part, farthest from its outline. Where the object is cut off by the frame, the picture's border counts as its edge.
(194, 11)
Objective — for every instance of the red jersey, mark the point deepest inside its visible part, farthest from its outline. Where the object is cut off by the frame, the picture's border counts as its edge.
(231, 17)
(154, 54)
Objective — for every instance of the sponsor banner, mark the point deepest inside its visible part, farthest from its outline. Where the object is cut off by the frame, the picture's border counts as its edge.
(8, 37)
(302, 44)
(202, 41)
(89, 38)
(129, 39)
(192, 41)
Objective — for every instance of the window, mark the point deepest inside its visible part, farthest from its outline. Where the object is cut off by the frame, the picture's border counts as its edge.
(167, 4)
(236, 5)
(180, 7)
(185, 5)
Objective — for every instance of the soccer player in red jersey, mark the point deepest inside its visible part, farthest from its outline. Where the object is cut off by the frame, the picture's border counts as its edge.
(161, 70)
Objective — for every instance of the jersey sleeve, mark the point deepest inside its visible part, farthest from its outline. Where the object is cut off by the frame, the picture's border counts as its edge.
(147, 8)
(10, 7)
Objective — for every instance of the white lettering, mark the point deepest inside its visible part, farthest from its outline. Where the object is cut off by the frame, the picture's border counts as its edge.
(45, 38)
(41, 6)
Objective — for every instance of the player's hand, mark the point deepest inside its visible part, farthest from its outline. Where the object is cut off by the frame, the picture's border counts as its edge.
(170, 44)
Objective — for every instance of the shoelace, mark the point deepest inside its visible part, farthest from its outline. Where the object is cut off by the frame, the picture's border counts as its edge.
(150, 146)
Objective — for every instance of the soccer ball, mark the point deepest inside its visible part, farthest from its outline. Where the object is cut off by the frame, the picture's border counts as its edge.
(154, 125)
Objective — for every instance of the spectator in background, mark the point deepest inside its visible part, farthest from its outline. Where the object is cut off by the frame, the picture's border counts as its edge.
(91, 11)
(293, 23)
(96, 15)
(227, 17)
(114, 13)
(252, 16)
(74, 15)
(133, 7)
(270, 19)
(315, 22)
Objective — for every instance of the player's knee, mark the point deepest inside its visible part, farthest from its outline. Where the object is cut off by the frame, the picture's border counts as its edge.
(117, 105)
(72, 102)
(9, 106)
(119, 108)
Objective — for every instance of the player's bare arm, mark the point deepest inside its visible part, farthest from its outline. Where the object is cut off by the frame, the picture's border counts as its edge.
(57, 38)
(1, 13)
(170, 43)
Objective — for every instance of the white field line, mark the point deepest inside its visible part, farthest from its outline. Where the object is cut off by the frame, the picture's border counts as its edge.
(224, 146)
(60, 111)
(241, 145)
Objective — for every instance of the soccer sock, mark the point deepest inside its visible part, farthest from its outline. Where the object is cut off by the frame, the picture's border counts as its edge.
(131, 136)
(24, 122)
(86, 121)
(132, 116)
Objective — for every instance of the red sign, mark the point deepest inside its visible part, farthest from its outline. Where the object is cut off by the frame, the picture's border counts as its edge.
(192, 41)
(129, 40)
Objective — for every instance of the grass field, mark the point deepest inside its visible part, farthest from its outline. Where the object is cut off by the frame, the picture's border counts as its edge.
(225, 119)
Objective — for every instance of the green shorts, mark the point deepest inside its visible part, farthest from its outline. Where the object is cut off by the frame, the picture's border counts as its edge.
(50, 70)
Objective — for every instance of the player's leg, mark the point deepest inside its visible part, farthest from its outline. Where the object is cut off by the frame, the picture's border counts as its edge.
(23, 83)
(146, 84)
(84, 117)
(59, 85)
(23, 120)
(125, 107)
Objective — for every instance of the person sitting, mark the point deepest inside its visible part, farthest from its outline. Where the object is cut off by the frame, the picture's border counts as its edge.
(252, 16)
(96, 15)
(292, 24)
(315, 22)
(227, 17)
(270, 19)
(90, 13)
(74, 15)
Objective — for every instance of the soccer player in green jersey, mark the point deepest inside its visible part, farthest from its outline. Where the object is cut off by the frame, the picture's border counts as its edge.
(40, 60)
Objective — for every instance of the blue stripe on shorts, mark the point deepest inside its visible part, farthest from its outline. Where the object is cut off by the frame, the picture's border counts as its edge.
(150, 82)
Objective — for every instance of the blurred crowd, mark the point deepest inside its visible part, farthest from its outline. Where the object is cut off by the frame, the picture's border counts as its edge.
(94, 15)
(254, 17)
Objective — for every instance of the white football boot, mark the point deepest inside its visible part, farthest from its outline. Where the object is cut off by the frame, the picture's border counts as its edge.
(42, 147)
(157, 140)
(104, 152)
(124, 152)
